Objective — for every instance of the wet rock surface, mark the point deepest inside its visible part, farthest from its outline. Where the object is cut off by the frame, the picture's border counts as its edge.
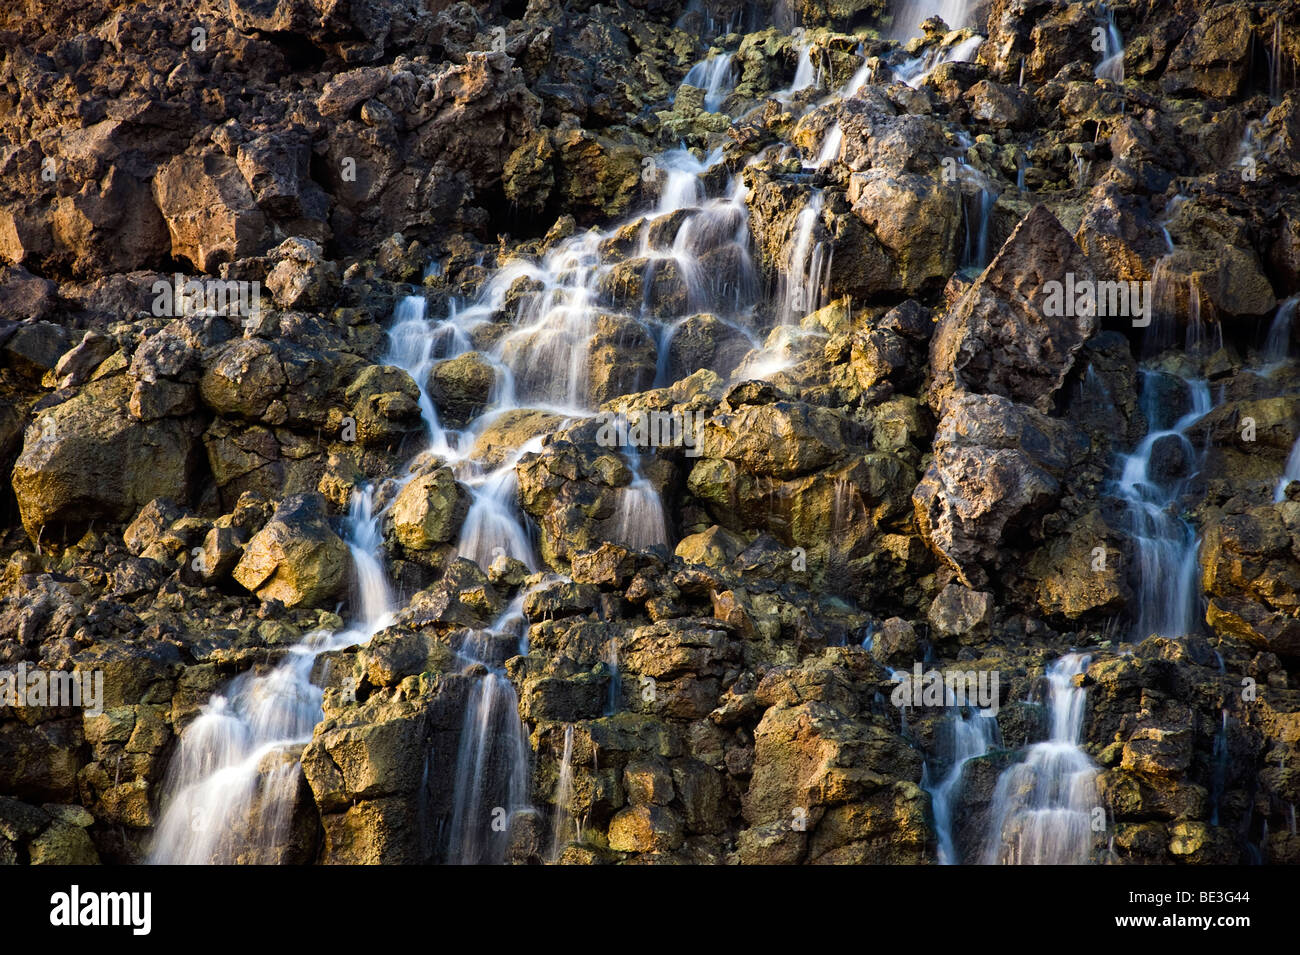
(582, 459)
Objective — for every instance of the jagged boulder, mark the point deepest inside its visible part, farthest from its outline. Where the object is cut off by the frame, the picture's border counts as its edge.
(830, 781)
(996, 466)
(1001, 338)
(429, 510)
(296, 558)
(210, 212)
(461, 386)
(89, 457)
(302, 277)
(1251, 574)
(1214, 56)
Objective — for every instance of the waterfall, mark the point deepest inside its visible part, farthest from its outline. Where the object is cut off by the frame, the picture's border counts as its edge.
(830, 150)
(564, 828)
(415, 346)
(807, 271)
(973, 735)
(493, 525)
(859, 79)
(231, 785)
(714, 76)
(912, 13)
(639, 520)
(490, 781)
(1153, 478)
(1111, 66)
(805, 74)
(1290, 473)
(1277, 346)
(914, 71)
(1043, 807)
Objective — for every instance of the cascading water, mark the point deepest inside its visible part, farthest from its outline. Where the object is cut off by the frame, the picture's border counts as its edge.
(564, 828)
(492, 761)
(1111, 66)
(973, 735)
(492, 525)
(230, 787)
(830, 150)
(1277, 346)
(1152, 481)
(1043, 807)
(805, 73)
(639, 521)
(803, 282)
(914, 71)
(859, 79)
(912, 13)
(236, 769)
(714, 76)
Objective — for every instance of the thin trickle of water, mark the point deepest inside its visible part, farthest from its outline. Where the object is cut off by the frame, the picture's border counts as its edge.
(564, 828)
(1043, 807)
(1219, 768)
(1276, 64)
(977, 254)
(615, 680)
(973, 735)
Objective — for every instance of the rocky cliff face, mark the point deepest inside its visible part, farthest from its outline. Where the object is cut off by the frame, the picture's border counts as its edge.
(948, 354)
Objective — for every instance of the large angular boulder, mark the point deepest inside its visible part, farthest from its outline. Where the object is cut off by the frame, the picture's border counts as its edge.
(999, 338)
(89, 458)
(1214, 56)
(1251, 574)
(996, 466)
(302, 277)
(429, 510)
(296, 558)
(210, 212)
